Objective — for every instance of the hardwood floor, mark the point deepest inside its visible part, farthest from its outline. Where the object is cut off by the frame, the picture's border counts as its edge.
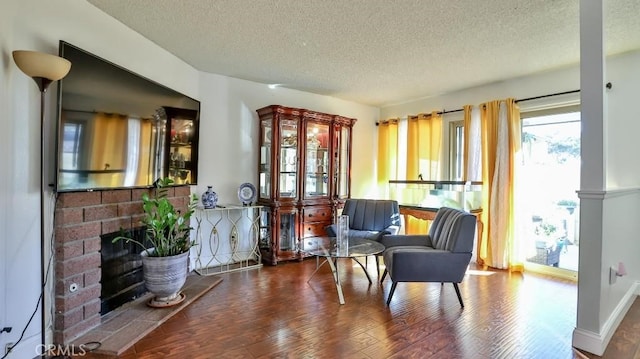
(273, 312)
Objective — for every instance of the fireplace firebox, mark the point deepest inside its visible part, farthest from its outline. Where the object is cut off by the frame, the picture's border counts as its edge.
(121, 265)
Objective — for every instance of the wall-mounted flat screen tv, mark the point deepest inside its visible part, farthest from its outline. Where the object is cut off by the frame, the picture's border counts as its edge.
(117, 129)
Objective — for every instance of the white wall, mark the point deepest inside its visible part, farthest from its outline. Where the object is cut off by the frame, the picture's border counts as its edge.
(615, 236)
(228, 130)
(609, 227)
(621, 141)
(7, 182)
(229, 133)
(620, 244)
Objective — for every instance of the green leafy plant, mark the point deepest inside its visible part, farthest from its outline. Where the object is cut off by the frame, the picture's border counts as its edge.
(546, 229)
(167, 229)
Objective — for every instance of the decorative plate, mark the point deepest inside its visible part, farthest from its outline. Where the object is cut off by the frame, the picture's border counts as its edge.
(246, 194)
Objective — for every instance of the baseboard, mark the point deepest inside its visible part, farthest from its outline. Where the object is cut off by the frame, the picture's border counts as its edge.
(596, 343)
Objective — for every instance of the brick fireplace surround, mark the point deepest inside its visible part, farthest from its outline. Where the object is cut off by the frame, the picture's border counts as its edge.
(80, 219)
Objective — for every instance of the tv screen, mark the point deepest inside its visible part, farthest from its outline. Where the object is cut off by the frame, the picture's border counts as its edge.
(117, 129)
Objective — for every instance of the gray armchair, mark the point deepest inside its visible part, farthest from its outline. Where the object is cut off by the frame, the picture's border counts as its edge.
(442, 256)
(370, 219)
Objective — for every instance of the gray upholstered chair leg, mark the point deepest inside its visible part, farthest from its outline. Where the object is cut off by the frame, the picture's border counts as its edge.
(455, 285)
(393, 288)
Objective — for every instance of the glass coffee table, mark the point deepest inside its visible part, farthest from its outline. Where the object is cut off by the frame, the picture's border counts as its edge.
(326, 247)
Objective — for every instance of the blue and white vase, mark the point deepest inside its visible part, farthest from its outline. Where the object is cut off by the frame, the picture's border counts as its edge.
(209, 198)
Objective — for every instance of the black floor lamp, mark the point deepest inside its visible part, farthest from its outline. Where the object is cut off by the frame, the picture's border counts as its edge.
(43, 69)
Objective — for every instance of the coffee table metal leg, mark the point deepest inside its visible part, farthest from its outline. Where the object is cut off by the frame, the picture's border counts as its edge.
(363, 268)
(333, 264)
(334, 270)
(317, 267)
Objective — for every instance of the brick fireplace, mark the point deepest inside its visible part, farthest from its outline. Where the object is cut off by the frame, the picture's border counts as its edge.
(80, 219)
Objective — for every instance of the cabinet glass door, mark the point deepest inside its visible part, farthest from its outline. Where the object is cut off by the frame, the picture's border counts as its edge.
(342, 167)
(266, 144)
(265, 228)
(288, 158)
(316, 160)
(288, 240)
(180, 151)
(181, 134)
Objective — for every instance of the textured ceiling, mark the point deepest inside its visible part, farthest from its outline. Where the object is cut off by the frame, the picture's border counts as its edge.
(375, 52)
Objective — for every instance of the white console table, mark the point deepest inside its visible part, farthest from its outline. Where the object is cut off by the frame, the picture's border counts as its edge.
(226, 239)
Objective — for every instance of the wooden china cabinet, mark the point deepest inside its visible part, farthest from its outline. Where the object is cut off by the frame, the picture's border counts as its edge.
(182, 137)
(304, 163)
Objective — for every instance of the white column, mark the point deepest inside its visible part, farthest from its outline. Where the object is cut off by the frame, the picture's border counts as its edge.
(592, 96)
(587, 335)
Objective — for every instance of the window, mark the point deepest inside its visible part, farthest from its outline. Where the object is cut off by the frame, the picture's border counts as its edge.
(456, 150)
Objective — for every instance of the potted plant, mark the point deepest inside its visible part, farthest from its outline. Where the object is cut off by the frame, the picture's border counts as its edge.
(168, 230)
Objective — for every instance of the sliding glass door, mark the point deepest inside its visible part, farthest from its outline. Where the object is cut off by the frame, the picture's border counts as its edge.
(548, 179)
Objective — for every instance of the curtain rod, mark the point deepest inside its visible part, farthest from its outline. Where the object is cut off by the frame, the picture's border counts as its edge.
(549, 95)
(521, 100)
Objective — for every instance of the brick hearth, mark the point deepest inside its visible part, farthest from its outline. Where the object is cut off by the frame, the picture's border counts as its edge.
(80, 219)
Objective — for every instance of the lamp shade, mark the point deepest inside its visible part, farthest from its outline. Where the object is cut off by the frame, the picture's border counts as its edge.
(38, 64)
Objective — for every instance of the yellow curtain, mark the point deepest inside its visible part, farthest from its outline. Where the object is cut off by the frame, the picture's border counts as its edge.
(387, 154)
(107, 153)
(500, 132)
(104, 150)
(424, 153)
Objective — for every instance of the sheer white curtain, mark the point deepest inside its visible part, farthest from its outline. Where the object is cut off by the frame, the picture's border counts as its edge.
(492, 152)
